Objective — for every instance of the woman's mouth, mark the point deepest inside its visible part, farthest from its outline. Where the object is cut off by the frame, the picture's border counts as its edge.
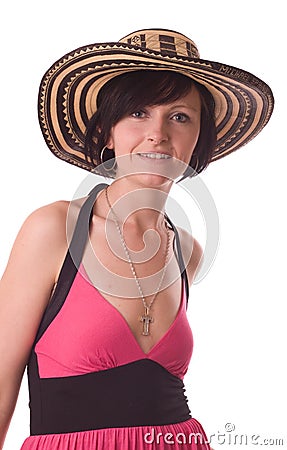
(154, 155)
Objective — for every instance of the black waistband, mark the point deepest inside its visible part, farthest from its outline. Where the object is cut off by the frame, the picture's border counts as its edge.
(136, 394)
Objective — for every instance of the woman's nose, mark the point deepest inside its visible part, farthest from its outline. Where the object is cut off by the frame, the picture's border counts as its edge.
(157, 132)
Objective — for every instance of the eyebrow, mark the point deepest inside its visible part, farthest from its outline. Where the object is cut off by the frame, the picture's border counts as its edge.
(186, 106)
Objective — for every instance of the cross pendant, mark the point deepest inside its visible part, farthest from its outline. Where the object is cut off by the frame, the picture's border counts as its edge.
(146, 319)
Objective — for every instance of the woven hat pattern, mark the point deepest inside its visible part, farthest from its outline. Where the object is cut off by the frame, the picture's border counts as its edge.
(68, 91)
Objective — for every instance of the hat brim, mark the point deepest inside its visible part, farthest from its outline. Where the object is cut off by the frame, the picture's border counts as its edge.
(68, 92)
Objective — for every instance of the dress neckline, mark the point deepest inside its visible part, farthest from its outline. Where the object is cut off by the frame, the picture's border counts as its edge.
(86, 278)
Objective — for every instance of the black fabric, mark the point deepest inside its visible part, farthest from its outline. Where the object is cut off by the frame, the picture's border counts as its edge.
(135, 394)
(179, 257)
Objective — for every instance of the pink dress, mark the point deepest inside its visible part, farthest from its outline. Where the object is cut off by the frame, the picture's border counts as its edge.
(91, 385)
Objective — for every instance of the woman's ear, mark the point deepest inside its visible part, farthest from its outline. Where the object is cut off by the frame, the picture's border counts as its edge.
(110, 143)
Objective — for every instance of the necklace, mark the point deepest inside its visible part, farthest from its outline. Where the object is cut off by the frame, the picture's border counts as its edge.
(146, 318)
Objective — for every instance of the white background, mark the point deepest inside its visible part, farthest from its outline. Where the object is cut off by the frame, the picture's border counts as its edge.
(237, 313)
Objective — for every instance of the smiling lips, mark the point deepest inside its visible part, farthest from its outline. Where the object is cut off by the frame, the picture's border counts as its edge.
(154, 155)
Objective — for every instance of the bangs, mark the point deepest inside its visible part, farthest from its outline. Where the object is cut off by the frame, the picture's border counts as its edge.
(132, 91)
(150, 88)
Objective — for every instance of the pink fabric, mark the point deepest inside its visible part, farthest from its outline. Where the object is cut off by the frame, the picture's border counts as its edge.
(89, 334)
(187, 435)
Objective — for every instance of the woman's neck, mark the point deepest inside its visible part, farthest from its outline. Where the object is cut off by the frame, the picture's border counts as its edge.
(138, 206)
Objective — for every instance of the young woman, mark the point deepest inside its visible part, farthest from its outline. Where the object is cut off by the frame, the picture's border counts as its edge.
(95, 292)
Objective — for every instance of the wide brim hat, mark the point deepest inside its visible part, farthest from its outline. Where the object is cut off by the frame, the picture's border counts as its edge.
(69, 89)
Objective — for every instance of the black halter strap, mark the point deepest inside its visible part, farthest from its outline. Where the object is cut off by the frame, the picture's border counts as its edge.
(179, 257)
(74, 257)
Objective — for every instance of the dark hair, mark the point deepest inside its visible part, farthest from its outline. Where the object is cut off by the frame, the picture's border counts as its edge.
(127, 93)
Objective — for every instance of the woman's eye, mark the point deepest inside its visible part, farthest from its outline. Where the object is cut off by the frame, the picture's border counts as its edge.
(180, 117)
(138, 114)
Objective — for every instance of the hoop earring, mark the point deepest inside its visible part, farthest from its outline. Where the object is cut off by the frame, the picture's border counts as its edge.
(104, 162)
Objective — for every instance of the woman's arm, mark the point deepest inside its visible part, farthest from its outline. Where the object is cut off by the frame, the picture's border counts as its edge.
(25, 289)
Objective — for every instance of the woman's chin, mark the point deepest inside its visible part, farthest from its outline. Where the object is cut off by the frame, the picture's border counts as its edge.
(150, 170)
(146, 179)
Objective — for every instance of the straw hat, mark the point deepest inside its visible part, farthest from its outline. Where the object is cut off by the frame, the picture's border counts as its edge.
(68, 90)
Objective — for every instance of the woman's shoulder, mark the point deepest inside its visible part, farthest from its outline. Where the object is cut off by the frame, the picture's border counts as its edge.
(53, 216)
(50, 210)
(46, 219)
(43, 234)
(192, 252)
(43, 229)
(42, 241)
(188, 240)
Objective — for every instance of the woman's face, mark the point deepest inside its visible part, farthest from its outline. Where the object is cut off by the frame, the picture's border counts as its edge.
(157, 138)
